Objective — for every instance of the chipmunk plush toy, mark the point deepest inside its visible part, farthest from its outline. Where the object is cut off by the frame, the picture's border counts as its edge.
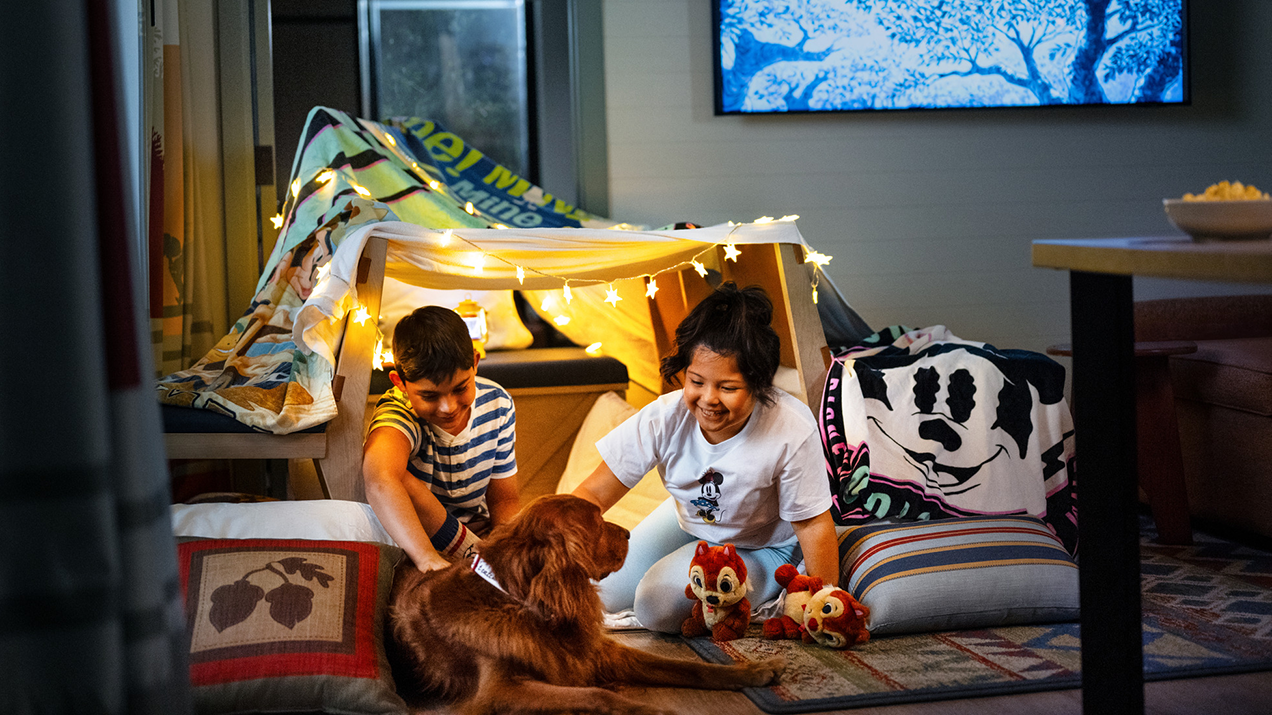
(717, 580)
(817, 613)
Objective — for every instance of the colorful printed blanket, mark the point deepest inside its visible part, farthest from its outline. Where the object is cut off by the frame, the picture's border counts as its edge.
(348, 172)
(918, 424)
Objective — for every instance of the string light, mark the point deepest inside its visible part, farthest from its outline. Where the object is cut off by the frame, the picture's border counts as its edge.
(362, 192)
(562, 320)
(820, 259)
(392, 141)
(277, 220)
(326, 176)
(651, 287)
(499, 225)
(361, 315)
(434, 184)
(295, 188)
(468, 207)
(731, 253)
(593, 349)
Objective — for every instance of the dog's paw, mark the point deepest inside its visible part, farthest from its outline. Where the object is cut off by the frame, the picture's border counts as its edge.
(764, 672)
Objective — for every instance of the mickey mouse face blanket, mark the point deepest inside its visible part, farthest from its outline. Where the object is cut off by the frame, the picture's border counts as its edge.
(929, 426)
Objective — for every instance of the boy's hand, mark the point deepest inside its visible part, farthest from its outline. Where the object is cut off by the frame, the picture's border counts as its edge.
(431, 562)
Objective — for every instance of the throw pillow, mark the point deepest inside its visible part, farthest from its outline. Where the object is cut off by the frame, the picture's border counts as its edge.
(608, 412)
(956, 574)
(288, 625)
(311, 519)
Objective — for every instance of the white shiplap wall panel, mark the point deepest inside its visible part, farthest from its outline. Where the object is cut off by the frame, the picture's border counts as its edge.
(930, 214)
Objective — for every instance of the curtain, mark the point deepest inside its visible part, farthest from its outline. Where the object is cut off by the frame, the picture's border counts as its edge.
(186, 271)
(90, 609)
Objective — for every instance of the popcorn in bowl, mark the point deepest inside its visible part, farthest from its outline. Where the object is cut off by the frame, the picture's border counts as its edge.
(1228, 191)
(1226, 211)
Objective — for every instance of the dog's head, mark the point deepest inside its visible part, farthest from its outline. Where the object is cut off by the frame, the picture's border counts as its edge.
(548, 556)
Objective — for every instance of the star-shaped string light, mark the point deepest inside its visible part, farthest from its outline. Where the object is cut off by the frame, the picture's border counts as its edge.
(820, 259)
(701, 269)
(361, 315)
(731, 252)
(568, 296)
(651, 287)
(611, 295)
(521, 275)
(277, 220)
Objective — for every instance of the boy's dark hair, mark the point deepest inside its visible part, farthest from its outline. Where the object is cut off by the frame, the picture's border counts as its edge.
(732, 322)
(431, 343)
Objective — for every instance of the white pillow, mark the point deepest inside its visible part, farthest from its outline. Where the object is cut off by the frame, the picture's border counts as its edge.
(609, 412)
(315, 520)
(505, 331)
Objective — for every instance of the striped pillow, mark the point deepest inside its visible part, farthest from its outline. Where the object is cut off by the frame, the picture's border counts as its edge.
(956, 574)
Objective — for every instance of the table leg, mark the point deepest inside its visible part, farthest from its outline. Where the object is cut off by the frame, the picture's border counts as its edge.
(1108, 529)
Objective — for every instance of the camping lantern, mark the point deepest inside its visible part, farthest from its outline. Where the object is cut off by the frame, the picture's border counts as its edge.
(475, 317)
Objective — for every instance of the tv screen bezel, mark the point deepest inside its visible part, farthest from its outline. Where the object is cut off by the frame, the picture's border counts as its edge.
(718, 84)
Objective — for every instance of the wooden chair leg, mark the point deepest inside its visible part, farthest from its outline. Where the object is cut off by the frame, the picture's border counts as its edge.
(1161, 472)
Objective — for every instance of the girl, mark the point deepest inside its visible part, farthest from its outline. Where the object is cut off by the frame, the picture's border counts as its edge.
(741, 459)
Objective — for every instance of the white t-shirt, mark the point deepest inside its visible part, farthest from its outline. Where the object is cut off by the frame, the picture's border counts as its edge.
(745, 490)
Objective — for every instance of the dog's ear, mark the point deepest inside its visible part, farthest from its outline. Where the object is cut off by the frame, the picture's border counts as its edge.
(561, 593)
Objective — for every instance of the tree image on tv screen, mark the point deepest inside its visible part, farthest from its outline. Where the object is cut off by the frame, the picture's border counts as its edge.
(834, 55)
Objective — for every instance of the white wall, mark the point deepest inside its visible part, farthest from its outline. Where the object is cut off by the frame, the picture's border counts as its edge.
(929, 215)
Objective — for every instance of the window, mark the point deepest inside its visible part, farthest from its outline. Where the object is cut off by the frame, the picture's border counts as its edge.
(461, 63)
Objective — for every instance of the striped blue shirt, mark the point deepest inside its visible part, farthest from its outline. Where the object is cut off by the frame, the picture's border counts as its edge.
(457, 468)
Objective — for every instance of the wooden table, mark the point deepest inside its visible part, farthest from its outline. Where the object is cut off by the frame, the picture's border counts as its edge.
(1100, 297)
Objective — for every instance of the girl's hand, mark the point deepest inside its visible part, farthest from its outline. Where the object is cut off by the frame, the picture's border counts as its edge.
(820, 546)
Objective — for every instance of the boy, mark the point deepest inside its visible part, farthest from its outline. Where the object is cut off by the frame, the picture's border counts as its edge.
(439, 462)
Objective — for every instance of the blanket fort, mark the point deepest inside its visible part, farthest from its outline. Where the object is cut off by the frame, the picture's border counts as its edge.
(453, 219)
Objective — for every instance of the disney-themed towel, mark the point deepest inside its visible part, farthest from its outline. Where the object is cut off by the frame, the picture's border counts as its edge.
(929, 426)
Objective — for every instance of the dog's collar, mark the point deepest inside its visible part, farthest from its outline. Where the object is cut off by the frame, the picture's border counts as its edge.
(483, 569)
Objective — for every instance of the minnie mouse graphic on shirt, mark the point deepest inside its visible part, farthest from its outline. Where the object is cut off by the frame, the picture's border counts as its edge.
(709, 502)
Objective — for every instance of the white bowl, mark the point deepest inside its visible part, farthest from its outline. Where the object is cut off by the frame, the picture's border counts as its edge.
(1221, 220)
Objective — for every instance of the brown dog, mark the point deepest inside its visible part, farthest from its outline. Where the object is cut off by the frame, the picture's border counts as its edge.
(534, 642)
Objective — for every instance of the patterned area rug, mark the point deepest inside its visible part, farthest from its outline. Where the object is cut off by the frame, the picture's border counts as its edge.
(1207, 610)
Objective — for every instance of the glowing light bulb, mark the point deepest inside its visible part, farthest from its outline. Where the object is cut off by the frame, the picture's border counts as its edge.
(470, 209)
(568, 295)
(277, 220)
(361, 315)
(611, 296)
(763, 219)
(814, 295)
(546, 305)
(392, 141)
(326, 176)
(434, 184)
(651, 288)
(731, 252)
(479, 263)
(362, 192)
(820, 259)
(562, 320)
(521, 275)
(295, 188)
(593, 349)
(789, 217)
(445, 239)
(701, 269)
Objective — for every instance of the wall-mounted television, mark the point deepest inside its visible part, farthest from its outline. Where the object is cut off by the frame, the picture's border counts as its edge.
(854, 55)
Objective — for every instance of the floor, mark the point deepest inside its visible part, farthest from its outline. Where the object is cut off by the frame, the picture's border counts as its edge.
(1248, 694)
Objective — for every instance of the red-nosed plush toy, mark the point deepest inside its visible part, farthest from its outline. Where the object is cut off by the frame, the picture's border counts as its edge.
(817, 613)
(717, 581)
